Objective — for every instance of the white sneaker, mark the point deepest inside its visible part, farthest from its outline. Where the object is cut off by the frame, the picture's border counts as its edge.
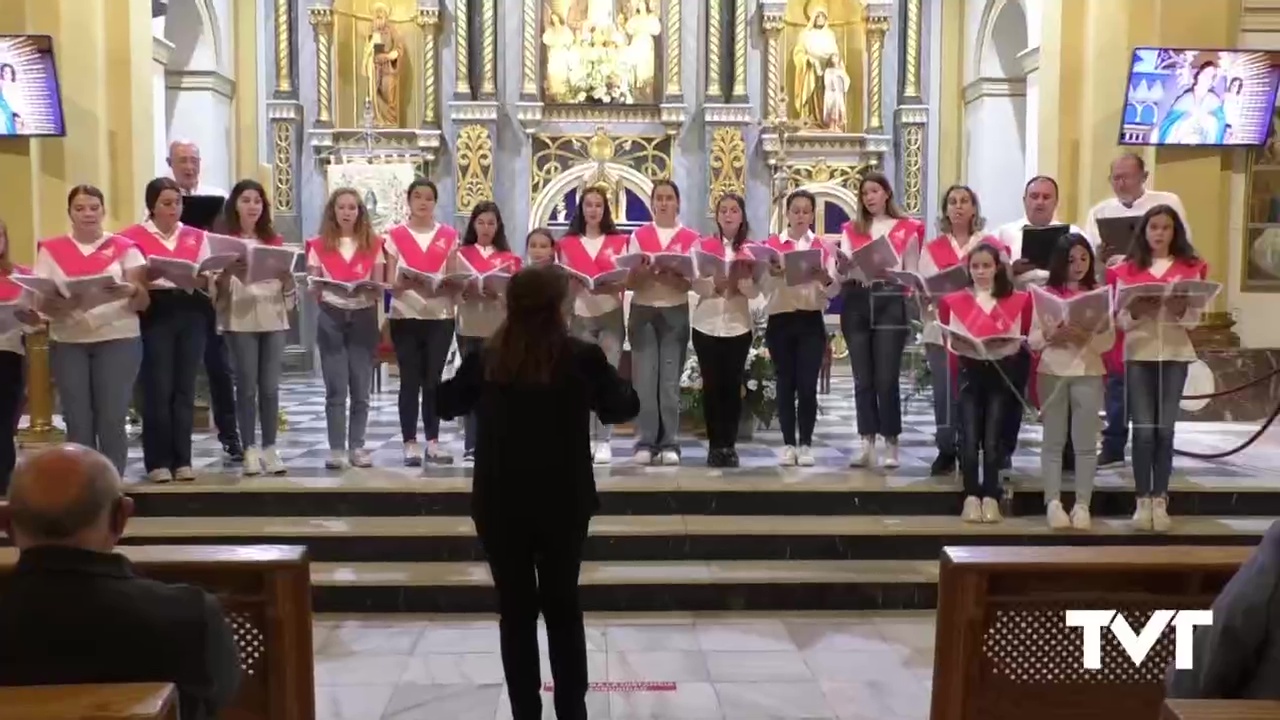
(361, 458)
(184, 474)
(412, 454)
(1160, 521)
(642, 457)
(972, 512)
(435, 455)
(866, 455)
(804, 456)
(991, 511)
(669, 457)
(337, 460)
(252, 463)
(272, 463)
(1080, 517)
(891, 453)
(603, 454)
(1142, 516)
(1058, 518)
(159, 476)
(788, 456)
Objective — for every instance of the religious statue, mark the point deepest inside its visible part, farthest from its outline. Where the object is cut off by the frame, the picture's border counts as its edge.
(815, 51)
(596, 52)
(382, 52)
(642, 27)
(559, 41)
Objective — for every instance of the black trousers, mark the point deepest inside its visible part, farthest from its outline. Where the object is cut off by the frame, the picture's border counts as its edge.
(222, 387)
(422, 347)
(12, 390)
(985, 403)
(173, 339)
(722, 361)
(1018, 369)
(873, 320)
(796, 342)
(535, 564)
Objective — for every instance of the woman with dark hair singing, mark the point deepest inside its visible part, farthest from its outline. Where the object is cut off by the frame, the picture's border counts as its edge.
(532, 389)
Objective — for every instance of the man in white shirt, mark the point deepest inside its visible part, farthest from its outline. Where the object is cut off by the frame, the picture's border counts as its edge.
(1040, 202)
(1130, 198)
(184, 165)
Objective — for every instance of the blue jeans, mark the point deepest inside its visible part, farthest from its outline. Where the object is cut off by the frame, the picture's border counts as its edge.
(1116, 433)
(1155, 389)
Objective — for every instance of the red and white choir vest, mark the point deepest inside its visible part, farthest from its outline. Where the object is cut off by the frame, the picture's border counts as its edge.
(786, 246)
(1011, 314)
(942, 252)
(10, 290)
(682, 242)
(66, 254)
(714, 245)
(1128, 273)
(187, 242)
(497, 260)
(903, 233)
(358, 268)
(573, 254)
(429, 260)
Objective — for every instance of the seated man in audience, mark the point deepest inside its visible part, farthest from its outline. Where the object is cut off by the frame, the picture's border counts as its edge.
(75, 612)
(1238, 657)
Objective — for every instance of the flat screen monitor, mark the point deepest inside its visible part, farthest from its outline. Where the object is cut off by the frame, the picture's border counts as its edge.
(1197, 97)
(30, 98)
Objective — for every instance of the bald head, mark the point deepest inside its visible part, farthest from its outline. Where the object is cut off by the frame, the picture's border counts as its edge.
(65, 495)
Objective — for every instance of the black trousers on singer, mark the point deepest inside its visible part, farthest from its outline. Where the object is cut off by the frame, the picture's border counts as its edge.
(535, 561)
(873, 320)
(173, 339)
(12, 391)
(222, 387)
(722, 361)
(797, 341)
(422, 347)
(985, 403)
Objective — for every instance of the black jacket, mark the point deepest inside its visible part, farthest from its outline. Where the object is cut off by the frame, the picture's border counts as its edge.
(70, 616)
(533, 442)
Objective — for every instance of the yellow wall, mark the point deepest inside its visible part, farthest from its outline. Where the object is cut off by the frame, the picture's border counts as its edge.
(104, 65)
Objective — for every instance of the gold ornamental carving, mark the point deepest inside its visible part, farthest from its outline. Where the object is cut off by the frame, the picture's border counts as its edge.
(877, 28)
(675, 87)
(462, 51)
(911, 74)
(474, 167)
(284, 48)
(489, 49)
(728, 162)
(554, 154)
(322, 24)
(715, 43)
(913, 168)
(821, 172)
(282, 165)
(739, 91)
(428, 21)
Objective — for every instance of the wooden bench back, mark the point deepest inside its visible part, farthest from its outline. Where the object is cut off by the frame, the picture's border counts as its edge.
(1003, 650)
(1221, 710)
(266, 593)
(142, 701)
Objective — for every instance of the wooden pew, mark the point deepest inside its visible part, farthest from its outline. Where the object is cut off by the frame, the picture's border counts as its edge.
(1003, 650)
(266, 592)
(142, 701)
(1221, 710)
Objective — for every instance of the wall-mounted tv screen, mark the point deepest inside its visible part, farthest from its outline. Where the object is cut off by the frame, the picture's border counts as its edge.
(30, 99)
(1180, 96)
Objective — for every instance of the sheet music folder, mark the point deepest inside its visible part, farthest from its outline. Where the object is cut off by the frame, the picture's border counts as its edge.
(201, 211)
(1116, 234)
(1038, 243)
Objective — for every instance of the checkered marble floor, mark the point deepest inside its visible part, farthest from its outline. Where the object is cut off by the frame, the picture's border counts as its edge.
(303, 444)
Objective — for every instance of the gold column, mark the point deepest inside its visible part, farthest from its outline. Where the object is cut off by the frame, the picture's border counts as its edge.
(911, 73)
(322, 23)
(675, 87)
(715, 47)
(877, 27)
(428, 20)
(462, 48)
(529, 51)
(740, 51)
(284, 49)
(40, 427)
(489, 78)
(776, 99)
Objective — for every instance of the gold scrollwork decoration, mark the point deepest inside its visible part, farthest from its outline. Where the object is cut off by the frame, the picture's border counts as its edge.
(912, 168)
(284, 48)
(474, 167)
(282, 167)
(823, 173)
(322, 24)
(553, 154)
(728, 161)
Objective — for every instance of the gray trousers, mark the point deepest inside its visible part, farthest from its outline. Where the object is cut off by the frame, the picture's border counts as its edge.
(1078, 398)
(347, 341)
(257, 357)
(659, 344)
(609, 332)
(946, 399)
(95, 387)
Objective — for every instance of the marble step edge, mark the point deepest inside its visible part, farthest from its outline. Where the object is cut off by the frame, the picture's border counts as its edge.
(623, 573)
(669, 525)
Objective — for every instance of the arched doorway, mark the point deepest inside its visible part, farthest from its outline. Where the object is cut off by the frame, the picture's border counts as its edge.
(996, 111)
(198, 91)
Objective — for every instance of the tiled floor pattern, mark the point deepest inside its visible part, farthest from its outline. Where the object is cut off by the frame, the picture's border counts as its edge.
(843, 666)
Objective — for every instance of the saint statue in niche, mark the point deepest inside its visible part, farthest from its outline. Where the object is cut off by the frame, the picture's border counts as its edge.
(382, 51)
(559, 41)
(600, 51)
(817, 51)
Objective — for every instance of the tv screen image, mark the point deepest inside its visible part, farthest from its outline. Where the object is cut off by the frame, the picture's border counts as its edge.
(30, 100)
(1179, 96)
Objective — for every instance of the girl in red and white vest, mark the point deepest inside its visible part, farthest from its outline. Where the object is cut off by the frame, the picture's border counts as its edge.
(347, 334)
(12, 351)
(255, 321)
(961, 225)
(422, 319)
(173, 335)
(484, 249)
(873, 319)
(796, 334)
(1157, 353)
(658, 328)
(989, 308)
(590, 246)
(95, 353)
